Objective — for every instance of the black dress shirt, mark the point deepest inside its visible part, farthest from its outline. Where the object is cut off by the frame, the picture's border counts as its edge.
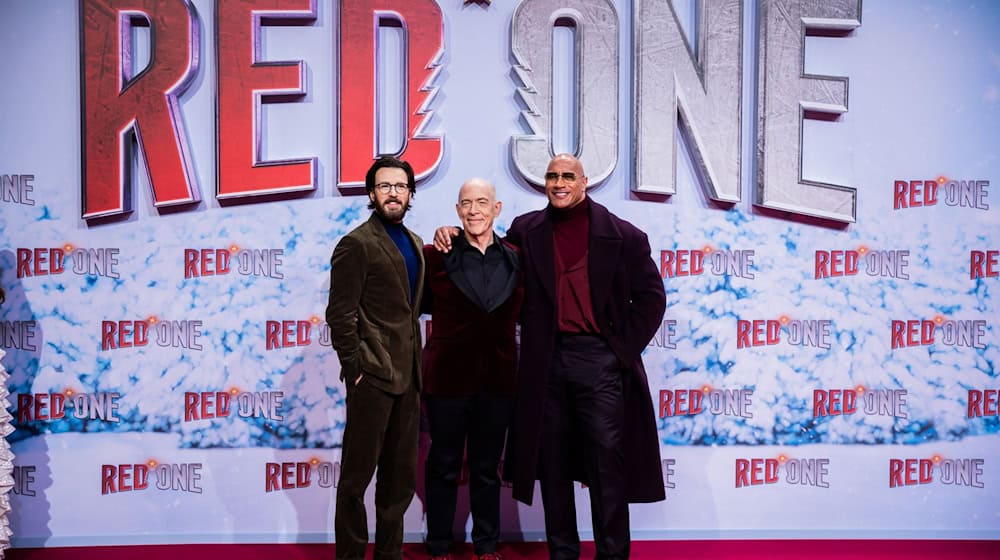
(487, 272)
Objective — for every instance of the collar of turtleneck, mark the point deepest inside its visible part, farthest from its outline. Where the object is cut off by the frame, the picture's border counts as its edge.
(578, 212)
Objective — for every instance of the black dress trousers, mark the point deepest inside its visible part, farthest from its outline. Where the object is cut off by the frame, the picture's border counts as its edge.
(480, 422)
(584, 405)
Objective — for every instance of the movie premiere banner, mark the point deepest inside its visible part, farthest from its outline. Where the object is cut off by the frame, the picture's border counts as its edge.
(817, 180)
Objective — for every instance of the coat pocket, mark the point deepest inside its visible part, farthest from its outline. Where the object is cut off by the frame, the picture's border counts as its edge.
(374, 359)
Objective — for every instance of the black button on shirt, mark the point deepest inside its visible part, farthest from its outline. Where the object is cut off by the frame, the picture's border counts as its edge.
(487, 273)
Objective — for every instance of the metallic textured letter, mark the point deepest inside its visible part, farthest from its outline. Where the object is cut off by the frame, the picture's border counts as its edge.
(704, 92)
(786, 95)
(597, 84)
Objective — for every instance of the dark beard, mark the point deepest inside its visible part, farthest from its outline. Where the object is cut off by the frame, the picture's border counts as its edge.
(396, 216)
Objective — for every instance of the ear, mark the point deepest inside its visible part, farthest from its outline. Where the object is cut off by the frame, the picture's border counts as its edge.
(499, 207)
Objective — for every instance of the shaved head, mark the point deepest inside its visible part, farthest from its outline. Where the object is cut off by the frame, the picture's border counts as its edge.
(477, 208)
(477, 183)
(570, 159)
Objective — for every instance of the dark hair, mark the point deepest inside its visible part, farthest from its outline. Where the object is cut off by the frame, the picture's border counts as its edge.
(388, 161)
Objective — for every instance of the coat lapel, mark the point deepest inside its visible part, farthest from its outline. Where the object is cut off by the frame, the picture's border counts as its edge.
(541, 251)
(453, 266)
(515, 273)
(388, 247)
(604, 251)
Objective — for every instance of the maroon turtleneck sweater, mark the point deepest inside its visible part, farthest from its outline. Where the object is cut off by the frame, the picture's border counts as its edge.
(571, 235)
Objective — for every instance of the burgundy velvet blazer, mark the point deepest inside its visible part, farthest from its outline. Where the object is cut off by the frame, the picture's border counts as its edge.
(470, 349)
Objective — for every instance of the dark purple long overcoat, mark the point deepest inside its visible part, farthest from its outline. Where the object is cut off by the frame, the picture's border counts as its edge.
(627, 294)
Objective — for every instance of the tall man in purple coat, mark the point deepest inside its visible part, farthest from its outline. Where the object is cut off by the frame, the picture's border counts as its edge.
(593, 300)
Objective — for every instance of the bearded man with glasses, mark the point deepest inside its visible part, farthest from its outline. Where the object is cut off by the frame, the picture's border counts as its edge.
(376, 281)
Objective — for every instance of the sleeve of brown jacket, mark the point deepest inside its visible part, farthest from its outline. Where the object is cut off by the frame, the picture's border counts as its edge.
(348, 268)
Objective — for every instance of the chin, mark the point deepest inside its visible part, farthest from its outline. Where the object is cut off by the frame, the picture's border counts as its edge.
(393, 215)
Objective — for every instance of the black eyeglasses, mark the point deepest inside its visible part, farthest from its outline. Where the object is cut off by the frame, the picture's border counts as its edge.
(384, 188)
(567, 176)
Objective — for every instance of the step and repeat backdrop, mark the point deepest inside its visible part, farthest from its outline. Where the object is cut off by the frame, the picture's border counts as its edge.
(817, 180)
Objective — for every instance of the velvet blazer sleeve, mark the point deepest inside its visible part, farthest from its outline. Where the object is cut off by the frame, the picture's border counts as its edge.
(348, 267)
(431, 258)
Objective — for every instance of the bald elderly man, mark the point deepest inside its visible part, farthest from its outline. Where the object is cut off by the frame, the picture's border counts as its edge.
(474, 295)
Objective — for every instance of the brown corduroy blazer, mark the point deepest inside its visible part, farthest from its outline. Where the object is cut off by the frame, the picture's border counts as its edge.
(374, 326)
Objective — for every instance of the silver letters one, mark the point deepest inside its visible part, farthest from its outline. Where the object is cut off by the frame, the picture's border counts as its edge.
(702, 93)
(786, 95)
(597, 84)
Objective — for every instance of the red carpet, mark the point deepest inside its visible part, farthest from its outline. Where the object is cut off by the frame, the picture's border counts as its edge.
(641, 550)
